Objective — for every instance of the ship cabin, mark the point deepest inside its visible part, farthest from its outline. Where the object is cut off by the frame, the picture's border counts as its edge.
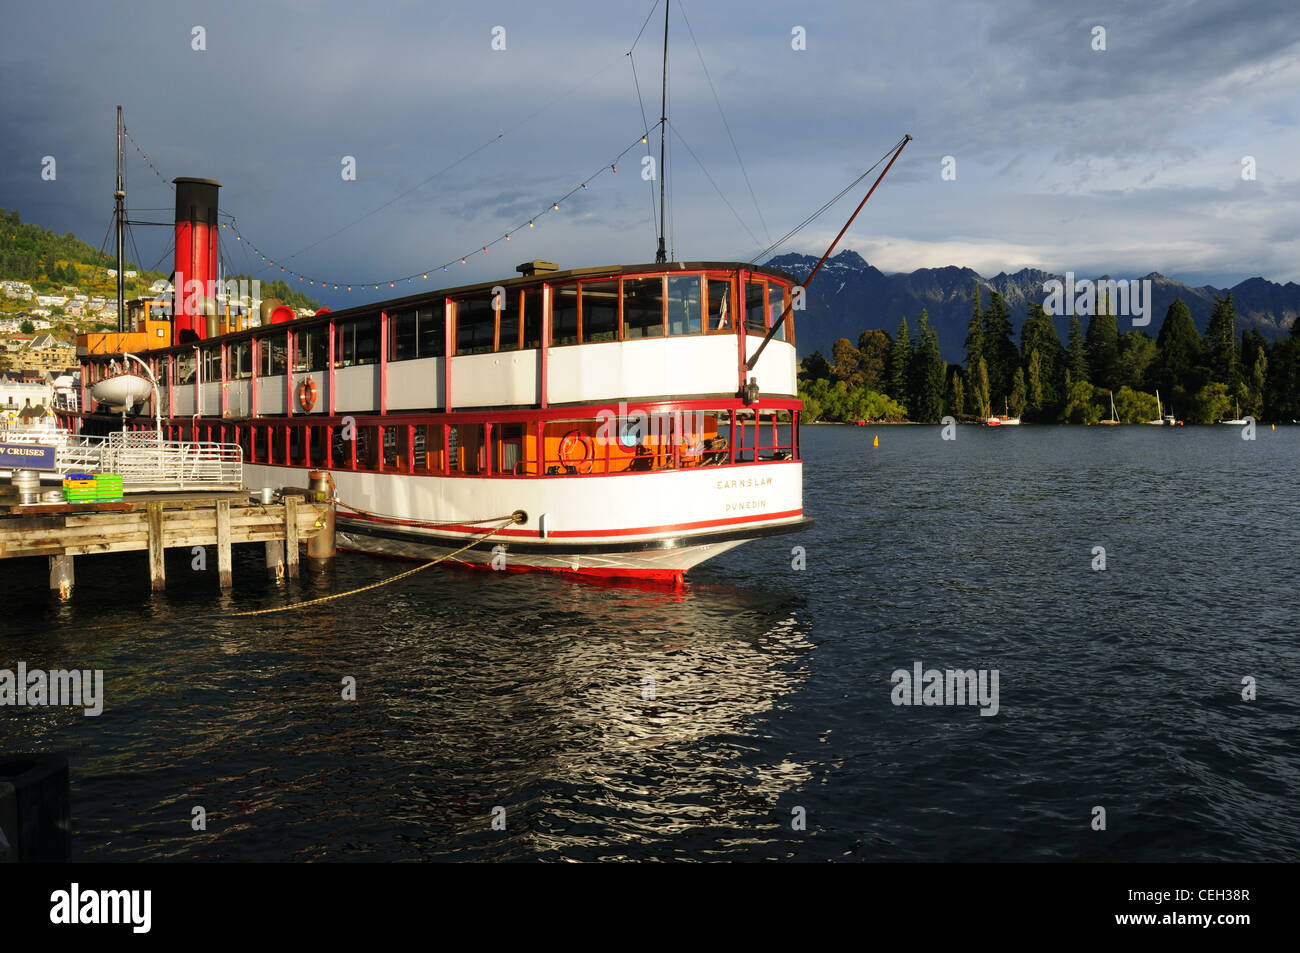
(623, 369)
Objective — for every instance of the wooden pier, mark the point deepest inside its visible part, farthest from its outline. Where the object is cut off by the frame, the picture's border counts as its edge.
(157, 522)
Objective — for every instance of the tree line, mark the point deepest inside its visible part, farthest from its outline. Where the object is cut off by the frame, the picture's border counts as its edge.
(34, 254)
(1200, 378)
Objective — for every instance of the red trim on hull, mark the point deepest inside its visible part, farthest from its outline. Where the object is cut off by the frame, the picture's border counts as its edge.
(579, 534)
(657, 578)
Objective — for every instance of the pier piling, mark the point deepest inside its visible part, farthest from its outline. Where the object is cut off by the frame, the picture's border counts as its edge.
(155, 522)
(157, 565)
(225, 578)
(275, 560)
(291, 535)
(321, 547)
(61, 576)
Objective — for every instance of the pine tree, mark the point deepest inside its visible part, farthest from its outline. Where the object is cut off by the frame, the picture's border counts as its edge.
(1034, 384)
(928, 373)
(1179, 344)
(956, 393)
(1077, 361)
(979, 390)
(899, 359)
(975, 332)
(1038, 336)
(1101, 345)
(1018, 390)
(1000, 353)
(1220, 350)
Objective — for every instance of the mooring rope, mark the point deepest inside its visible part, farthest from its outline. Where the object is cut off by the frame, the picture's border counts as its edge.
(513, 518)
(406, 520)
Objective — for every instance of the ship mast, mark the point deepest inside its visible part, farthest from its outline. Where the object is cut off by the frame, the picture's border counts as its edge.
(119, 216)
(662, 255)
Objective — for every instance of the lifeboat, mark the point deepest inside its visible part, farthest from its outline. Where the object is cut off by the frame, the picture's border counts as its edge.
(122, 391)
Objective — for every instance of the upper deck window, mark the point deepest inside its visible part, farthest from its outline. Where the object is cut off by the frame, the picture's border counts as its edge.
(311, 349)
(643, 307)
(272, 354)
(211, 363)
(776, 307)
(356, 342)
(684, 304)
(508, 326)
(532, 313)
(599, 311)
(416, 334)
(240, 358)
(755, 322)
(564, 315)
(475, 324)
(720, 305)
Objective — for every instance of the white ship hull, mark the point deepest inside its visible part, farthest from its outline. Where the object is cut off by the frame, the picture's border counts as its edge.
(648, 525)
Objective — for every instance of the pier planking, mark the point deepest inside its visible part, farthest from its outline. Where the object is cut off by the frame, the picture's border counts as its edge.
(158, 522)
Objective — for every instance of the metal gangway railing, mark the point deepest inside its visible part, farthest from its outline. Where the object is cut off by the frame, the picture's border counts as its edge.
(146, 463)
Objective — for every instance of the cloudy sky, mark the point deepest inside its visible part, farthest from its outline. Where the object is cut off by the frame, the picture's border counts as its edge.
(1124, 160)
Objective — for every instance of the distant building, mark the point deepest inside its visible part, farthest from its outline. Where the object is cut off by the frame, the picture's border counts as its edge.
(25, 403)
(67, 391)
(39, 354)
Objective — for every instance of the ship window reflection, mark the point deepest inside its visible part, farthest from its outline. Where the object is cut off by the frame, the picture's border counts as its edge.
(599, 311)
(719, 304)
(357, 342)
(241, 360)
(775, 308)
(402, 341)
(532, 310)
(475, 325)
(416, 334)
(564, 315)
(311, 349)
(643, 307)
(754, 318)
(683, 304)
(211, 364)
(508, 323)
(272, 350)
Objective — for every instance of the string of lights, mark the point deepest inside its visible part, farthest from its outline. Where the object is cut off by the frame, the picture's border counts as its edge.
(483, 248)
(166, 181)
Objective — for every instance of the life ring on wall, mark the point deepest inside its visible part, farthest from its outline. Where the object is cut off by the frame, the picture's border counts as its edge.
(572, 440)
(307, 394)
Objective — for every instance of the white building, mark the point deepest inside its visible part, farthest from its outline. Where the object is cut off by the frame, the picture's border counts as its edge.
(16, 397)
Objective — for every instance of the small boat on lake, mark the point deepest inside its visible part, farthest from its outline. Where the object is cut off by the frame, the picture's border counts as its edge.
(1237, 421)
(1114, 418)
(1004, 419)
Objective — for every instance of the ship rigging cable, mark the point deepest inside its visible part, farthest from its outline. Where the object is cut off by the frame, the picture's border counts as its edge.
(337, 285)
(839, 195)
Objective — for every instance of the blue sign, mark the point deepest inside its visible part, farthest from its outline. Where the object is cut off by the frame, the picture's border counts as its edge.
(26, 456)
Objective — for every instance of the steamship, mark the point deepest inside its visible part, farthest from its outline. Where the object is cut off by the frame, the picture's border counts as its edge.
(618, 409)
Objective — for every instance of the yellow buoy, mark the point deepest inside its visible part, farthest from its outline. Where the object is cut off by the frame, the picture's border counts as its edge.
(875, 442)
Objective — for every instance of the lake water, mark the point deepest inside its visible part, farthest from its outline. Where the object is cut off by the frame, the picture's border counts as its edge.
(624, 722)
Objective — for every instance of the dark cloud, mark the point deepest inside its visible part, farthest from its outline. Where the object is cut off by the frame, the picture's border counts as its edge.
(1125, 160)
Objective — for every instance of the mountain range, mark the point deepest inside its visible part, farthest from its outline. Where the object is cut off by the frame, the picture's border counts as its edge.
(850, 296)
